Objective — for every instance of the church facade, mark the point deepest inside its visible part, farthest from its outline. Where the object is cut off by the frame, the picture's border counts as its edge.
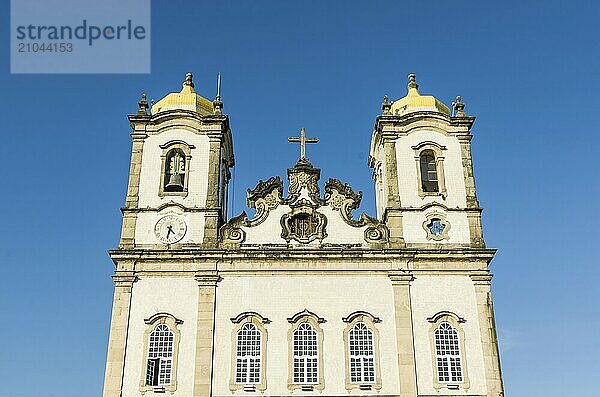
(304, 297)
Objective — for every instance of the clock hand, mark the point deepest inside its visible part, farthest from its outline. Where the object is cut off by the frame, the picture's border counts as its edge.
(170, 230)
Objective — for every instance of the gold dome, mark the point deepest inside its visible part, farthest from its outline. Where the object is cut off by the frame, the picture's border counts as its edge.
(414, 101)
(186, 99)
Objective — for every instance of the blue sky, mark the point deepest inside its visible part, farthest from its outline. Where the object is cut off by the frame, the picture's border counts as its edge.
(527, 70)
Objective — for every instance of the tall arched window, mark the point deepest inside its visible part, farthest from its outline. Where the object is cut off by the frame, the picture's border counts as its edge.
(429, 176)
(361, 339)
(305, 355)
(447, 352)
(362, 354)
(248, 355)
(160, 356)
(249, 352)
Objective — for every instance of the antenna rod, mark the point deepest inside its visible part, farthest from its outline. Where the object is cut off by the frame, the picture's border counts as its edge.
(219, 86)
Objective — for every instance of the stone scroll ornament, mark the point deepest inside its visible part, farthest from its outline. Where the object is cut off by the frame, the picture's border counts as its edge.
(264, 198)
(342, 198)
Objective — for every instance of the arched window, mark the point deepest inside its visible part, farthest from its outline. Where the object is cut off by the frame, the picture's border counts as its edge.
(305, 355)
(176, 158)
(249, 352)
(362, 354)
(429, 176)
(160, 356)
(305, 359)
(175, 171)
(361, 339)
(447, 352)
(248, 355)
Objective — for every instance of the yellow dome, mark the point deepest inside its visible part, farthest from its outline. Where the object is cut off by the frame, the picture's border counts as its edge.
(414, 101)
(186, 99)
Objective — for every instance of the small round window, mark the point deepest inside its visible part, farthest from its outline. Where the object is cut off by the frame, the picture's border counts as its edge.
(436, 227)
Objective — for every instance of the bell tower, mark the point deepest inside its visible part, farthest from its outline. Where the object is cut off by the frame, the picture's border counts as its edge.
(422, 168)
(181, 155)
(176, 201)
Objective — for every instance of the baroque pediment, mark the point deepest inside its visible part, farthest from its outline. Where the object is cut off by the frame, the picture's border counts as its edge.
(303, 217)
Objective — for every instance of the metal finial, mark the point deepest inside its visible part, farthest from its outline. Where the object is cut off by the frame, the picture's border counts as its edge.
(217, 103)
(143, 105)
(386, 105)
(412, 81)
(188, 80)
(458, 107)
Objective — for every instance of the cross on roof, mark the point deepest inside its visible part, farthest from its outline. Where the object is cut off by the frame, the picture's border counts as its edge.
(303, 141)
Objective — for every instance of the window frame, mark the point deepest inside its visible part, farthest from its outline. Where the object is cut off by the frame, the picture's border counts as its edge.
(239, 322)
(370, 321)
(166, 149)
(455, 322)
(436, 150)
(152, 323)
(314, 321)
(442, 218)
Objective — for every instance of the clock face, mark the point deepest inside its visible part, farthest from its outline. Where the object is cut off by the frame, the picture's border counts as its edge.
(170, 229)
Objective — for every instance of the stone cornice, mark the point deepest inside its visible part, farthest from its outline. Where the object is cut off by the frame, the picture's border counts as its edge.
(466, 121)
(123, 278)
(207, 279)
(184, 114)
(400, 278)
(198, 255)
(411, 117)
(391, 126)
(481, 278)
(163, 206)
(445, 208)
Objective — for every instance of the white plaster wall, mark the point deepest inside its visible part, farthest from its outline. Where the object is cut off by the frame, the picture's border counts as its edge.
(146, 221)
(412, 223)
(407, 170)
(338, 231)
(280, 297)
(151, 295)
(435, 293)
(151, 169)
(268, 232)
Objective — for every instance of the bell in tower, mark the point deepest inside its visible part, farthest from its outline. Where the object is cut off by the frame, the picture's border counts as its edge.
(176, 173)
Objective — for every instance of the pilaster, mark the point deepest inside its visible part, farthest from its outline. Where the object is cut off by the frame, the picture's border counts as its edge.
(119, 326)
(138, 137)
(489, 338)
(467, 163)
(392, 215)
(203, 371)
(404, 334)
(475, 228)
(212, 217)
